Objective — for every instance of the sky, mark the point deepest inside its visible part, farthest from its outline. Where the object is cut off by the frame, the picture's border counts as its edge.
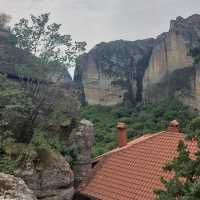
(95, 21)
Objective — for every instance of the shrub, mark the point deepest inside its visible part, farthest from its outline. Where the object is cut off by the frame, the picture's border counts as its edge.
(141, 119)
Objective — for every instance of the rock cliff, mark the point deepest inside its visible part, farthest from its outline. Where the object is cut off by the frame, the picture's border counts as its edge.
(144, 70)
(112, 72)
(171, 70)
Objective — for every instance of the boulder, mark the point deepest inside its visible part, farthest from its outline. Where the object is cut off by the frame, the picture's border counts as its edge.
(49, 176)
(14, 188)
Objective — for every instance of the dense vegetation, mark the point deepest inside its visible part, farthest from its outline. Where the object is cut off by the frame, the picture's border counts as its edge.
(31, 119)
(36, 111)
(141, 119)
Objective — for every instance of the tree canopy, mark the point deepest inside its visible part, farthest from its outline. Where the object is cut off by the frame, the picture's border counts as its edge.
(185, 185)
(34, 110)
(50, 51)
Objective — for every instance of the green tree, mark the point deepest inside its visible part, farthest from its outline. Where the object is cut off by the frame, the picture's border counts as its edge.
(37, 111)
(41, 100)
(44, 41)
(185, 185)
(49, 53)
(14, 107)
(140, 119)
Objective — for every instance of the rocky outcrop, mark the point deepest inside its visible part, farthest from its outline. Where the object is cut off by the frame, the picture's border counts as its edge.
(49, 176)
(145, 70)
(14, 188)
(47, 173)
(82, 140)
(112, 72)
(171, 70)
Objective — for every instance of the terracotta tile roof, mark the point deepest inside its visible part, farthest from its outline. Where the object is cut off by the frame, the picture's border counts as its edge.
(133, 172)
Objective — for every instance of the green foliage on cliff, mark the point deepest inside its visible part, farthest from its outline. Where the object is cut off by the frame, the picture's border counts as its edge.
(36, 111)
(26, 126)
(141, 119)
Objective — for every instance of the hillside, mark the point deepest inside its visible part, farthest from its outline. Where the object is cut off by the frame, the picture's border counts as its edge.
(141, 119)
(38, 113)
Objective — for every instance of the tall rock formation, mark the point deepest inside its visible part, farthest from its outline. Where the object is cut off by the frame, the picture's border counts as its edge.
(145, 70)
(112, 72)
(171, 70)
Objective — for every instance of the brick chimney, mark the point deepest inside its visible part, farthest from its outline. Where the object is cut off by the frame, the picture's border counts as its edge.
(174, 126)
(122, 137)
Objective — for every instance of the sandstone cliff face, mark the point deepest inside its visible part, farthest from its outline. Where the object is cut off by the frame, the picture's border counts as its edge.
(112, 72)
(170, 69)
(145, 70)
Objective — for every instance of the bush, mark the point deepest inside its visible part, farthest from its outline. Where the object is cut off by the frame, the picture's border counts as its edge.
(141, 119)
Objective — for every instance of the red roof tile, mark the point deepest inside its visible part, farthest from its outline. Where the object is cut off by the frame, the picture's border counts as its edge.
(133, 172)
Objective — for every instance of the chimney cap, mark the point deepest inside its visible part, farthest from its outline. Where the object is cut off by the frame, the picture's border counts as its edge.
(121, 125)
(174, 126)
(174, 123)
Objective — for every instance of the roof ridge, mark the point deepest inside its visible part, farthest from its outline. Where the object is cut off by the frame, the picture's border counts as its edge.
(143, 138)
(134, 170)
(104, 157)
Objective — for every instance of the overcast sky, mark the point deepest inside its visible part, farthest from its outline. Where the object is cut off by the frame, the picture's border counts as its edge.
(95, 21)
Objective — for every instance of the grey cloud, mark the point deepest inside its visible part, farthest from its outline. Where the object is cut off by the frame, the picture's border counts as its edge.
(94, 21)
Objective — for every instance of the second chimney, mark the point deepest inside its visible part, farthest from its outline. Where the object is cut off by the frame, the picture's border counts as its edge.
(174, 126)
(122, 137)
